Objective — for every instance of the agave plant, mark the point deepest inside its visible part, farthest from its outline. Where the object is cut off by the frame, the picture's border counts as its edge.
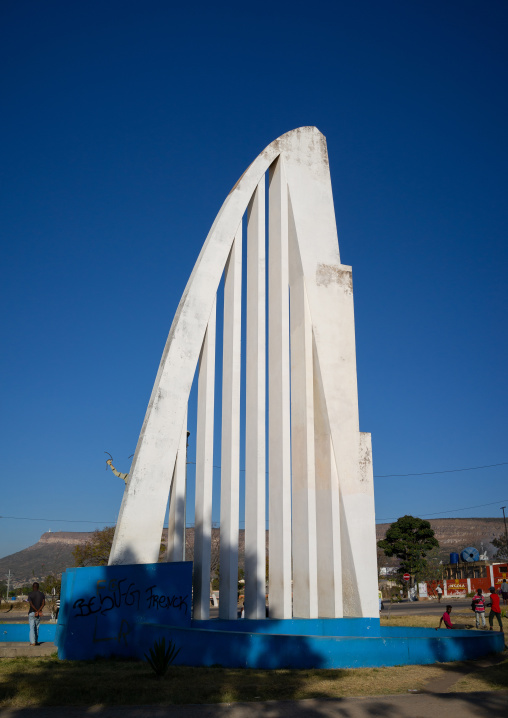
(161, 658)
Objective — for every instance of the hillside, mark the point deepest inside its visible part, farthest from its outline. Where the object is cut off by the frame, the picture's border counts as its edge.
(456, 534)
(53, 552)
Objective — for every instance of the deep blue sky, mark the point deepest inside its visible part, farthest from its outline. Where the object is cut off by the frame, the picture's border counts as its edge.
(123, 127)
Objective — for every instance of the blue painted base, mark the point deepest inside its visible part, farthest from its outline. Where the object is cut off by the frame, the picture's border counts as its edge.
(104, 608)
(328, 643)
(19, 632)
(123, 610)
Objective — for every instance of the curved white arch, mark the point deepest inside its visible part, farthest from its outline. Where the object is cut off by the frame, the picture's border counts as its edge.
(329, 490)
(140, 522)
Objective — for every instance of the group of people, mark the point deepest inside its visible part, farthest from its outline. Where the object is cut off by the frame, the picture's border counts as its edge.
(478, 605)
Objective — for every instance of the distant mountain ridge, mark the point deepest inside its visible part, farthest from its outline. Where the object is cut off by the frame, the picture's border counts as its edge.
(53, 552)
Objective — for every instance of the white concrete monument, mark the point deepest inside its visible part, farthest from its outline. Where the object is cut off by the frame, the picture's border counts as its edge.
(322, 543)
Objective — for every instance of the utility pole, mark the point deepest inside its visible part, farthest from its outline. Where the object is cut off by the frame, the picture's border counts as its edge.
(8, 584)
(505, 529)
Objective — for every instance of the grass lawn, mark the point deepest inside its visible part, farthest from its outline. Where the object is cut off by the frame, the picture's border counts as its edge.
(433, 621)
(48, 681)
(484, 679)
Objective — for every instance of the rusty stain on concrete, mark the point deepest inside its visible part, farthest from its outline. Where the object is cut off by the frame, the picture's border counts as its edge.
(365, 462)
(331, 273)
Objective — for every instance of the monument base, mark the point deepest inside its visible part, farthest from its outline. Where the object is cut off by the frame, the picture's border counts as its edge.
(320, 643)
(123, 610)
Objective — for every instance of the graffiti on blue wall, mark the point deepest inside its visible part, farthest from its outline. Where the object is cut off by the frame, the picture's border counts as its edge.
(104, 607)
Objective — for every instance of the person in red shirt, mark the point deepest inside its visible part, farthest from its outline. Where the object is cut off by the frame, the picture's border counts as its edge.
(445, 618)
(495, 609)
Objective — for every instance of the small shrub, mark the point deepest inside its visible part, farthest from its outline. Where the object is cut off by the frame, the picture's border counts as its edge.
(161, 658)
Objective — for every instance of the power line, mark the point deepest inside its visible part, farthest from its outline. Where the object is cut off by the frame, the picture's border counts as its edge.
(377, 476)
(445, 471)
(216, 524)
(451, 511)
(422, 473)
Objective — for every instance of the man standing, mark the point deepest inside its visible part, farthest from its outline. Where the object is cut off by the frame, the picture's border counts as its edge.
(495, 609)
(36, 602)
(478, 606)
(504, 591)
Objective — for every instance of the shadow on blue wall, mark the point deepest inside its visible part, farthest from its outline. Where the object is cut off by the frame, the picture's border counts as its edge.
(104, 607)
(122, 610)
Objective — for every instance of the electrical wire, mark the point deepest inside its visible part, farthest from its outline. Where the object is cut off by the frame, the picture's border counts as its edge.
(451, 511)
(377, 476)
(445, 471)
(216, 524)
(422, 473)
(64, 521)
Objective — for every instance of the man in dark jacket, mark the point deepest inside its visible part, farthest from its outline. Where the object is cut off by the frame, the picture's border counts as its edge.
(36, 602)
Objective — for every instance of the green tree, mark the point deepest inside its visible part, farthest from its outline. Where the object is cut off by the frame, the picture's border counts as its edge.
(409, 539)
(49, 583)
(95, 551)
(433, 570)
(502, 548)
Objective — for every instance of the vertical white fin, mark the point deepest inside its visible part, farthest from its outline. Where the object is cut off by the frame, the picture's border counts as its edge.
(204, 473)
(279, 451)
(230, 455)
(255, 417)
(175, 550)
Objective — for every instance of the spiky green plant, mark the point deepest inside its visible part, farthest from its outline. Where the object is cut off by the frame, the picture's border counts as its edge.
(161, 658)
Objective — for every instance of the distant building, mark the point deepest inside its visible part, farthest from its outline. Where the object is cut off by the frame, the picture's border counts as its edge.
(461, 579)
(476, 569)
(387, 570)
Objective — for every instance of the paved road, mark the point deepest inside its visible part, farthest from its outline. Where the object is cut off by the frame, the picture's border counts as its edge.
(425, 608)
(21, 617)
(406, 608)
(419, 705)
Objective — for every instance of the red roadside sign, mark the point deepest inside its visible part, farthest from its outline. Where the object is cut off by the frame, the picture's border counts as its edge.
(406, 577)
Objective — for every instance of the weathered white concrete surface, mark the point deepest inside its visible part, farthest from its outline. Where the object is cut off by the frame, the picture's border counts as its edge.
(279, 426)
(333, 538)
(230, 454)
(175, 550)
(255, 417)
(204, 474)
(329, 561)
(330, 295)
(304, 555)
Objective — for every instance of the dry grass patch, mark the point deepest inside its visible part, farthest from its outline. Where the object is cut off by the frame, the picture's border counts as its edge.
(413, 621)
(484, 679)
(417, 621)
(48, 681)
